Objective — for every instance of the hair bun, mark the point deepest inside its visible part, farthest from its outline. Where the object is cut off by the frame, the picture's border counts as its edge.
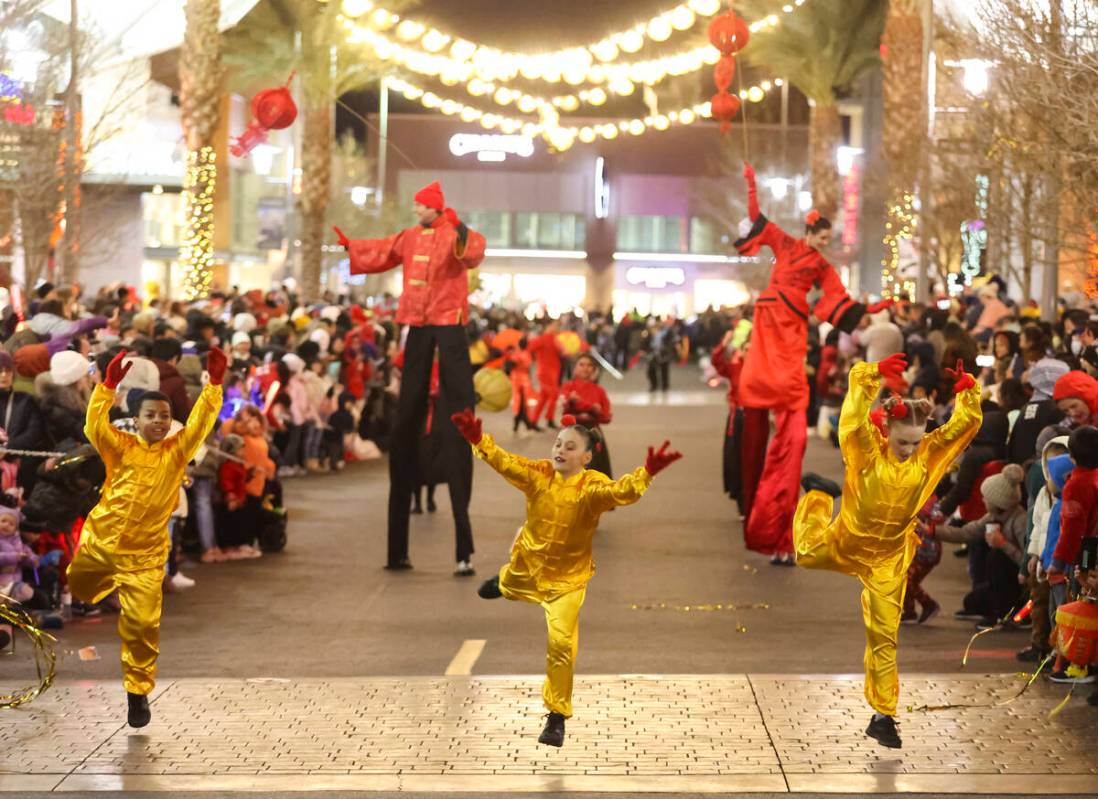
(812, 217)
(1014, 473)
(568, 420)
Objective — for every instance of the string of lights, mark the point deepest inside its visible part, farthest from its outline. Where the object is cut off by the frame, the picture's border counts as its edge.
(479, 67)
(563, 136)
(199, 184)
(658, 28)
(900, 225)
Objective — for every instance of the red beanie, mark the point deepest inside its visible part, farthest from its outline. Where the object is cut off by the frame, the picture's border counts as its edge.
(431, 196)
(1079, 385)
(32, 360)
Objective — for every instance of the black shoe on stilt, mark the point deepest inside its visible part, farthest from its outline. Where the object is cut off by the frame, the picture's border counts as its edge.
(139, 714)
(401, 565)
(553, 734)
(489, 589)
(883, 730)
(813, 482)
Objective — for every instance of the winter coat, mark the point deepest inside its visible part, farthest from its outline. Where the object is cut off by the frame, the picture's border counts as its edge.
(590, 394)
(174, 387)
(62, 495)
(24, 427)
(14, 554)
(1041, 506)
(1078, 516)
(1034, 418)
(1012, 524)
(882, 338)
(989, 445)
(1059, 469)
(436, 277)
(63, 411)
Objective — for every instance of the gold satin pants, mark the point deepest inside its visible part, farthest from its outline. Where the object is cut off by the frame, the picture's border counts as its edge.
(93, 574)
(817, 540)
(562, 623)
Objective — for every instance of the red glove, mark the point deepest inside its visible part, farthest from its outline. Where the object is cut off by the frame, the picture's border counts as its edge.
(877, 307)
(892, 368)
(963, 380)
(216, 361)
(116, 371)
(468, 425)
(656, 462)
(748, 172)
(344, 242)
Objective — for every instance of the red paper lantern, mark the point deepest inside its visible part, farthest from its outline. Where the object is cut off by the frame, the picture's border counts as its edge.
(725, 106)
(729, 33)
(724, 71)
(1076, 633)
(274, 109)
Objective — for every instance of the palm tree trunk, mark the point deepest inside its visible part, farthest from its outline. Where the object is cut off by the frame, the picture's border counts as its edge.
(316, 187)
(824, 137)
(200, 88)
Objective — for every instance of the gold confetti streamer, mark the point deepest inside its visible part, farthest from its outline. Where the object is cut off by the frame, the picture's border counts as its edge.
(45, 658)
(703, 608)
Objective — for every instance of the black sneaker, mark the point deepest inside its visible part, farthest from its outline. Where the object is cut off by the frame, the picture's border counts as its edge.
(553, 734)
(909, 617)
(464, 569)
(489, 589)
(929, 611)
(1061, 676)
(962, 552)
(883, 729)
(814, 482)
(1031, 654)
(401, 565)
(139, 714)
(552, 425)
(431, 506)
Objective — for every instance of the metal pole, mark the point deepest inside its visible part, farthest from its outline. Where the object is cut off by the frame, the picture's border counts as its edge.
(383, 140)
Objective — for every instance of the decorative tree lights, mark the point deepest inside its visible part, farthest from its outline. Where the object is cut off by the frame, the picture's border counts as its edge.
(199, 184)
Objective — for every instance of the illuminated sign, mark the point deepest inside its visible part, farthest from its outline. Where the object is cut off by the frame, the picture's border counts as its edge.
(491, 146)
(974, 234)
(602, 190)
(9, 90)
(16, 110)
(851, 200)
(655, 277)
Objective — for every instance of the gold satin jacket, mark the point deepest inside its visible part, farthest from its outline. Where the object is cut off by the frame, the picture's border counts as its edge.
(552, 553)
(142, 485)
(881, 494)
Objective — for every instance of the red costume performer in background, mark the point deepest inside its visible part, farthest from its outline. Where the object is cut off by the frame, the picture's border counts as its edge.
(773, 377)
(546, 352)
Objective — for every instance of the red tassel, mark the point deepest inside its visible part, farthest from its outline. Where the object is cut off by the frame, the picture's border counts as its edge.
(568, 420)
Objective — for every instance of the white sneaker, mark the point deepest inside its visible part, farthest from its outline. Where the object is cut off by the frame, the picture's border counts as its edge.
(181, 582)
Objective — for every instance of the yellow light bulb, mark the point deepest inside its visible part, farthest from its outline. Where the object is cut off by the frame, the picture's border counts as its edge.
(609, 131)
(462, 50)
(355, 8)
(470, 114)
(569, 103)
(605, 50)
(587, 135)
(636, 127)
(596, 96)
(706, 8)
(687, 116)
(381, 19)
(631, 41)
(659, 29)
(409, 30)
(527, 104)
(682, 18)
(434, 40)
(661, 122)
(503, 96)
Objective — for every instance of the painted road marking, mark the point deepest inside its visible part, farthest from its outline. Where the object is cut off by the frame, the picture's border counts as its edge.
(466, 658)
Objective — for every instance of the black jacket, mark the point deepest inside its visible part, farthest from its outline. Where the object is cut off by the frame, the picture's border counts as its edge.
(989, 445)
(24, 427)
(1032, 419)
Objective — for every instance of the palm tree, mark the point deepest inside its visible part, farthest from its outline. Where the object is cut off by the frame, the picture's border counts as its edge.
(822, 50)
(200, 75)
(262, 50)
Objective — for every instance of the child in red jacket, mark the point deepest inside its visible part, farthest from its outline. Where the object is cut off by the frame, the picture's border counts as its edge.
(587, 401)
(1079, 509)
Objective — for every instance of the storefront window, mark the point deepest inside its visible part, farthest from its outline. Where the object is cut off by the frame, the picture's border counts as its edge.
(549, 231)
(494, 225)
(719, 294)
(708, 237)
(163, 217)
(651, 234)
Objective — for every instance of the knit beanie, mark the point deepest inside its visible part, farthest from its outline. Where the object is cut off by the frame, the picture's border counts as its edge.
(67, 367)
(1077, 385)
(6, 510)
(143, 375)
(244, 322)
(1043, 376)
(293, 362)
(1083, 446)
(32, 360)
(240, 337)
(1003, 491)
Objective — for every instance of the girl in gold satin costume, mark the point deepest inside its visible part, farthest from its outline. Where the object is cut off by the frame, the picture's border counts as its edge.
(124, 543)
(551, 560)
(888, 479)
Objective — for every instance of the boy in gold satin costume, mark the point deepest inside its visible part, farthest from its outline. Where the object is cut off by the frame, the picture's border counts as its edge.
(888, 479)
(551, 560)
(124, 543)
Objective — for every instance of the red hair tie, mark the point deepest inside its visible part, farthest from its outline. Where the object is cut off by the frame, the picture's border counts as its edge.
(598, 446)
(812, 217)
(898, 411)
(568, 420)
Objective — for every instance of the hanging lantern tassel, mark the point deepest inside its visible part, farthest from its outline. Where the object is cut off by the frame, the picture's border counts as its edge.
(272, 109)
(729, 34)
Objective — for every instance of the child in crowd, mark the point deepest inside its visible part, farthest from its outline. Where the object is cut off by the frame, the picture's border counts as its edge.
(927, 555)
(518, 365)
(251, 426)
(551, 559)
(125, 539)
(587, 401)
(14, 557)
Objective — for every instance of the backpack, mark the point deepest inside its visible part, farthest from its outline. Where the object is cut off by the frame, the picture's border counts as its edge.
(272, 530)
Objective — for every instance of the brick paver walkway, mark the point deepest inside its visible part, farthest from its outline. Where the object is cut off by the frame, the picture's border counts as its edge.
(726, 733)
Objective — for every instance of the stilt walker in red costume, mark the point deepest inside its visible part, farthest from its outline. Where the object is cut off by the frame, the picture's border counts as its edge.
(773, 377)
(436, 255)
(547, 351)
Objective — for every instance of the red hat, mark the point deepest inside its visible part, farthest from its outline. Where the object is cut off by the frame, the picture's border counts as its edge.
(1079, 385)
(431, 196)
(32, 360)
